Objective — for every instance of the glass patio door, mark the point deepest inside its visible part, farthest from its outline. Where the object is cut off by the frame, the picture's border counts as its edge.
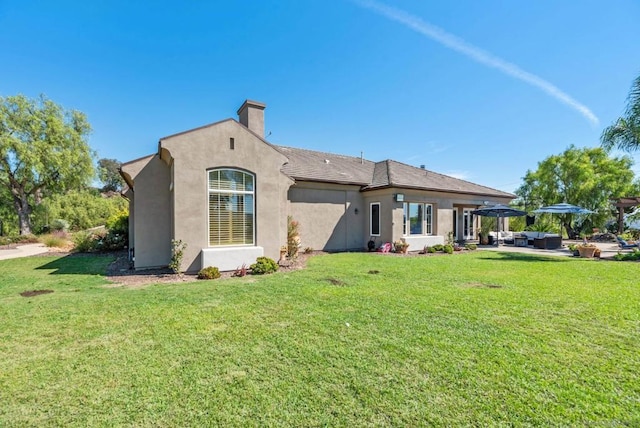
(467, 224)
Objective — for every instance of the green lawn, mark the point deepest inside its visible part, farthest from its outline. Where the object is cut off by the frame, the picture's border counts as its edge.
(469, 339)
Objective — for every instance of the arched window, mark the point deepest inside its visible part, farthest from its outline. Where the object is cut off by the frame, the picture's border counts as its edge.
(231, 207)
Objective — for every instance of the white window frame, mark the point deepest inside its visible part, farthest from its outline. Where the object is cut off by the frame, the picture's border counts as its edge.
(427, 225)
(231, 192)
(371, 219)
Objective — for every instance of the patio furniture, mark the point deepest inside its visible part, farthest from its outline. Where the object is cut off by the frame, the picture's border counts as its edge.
(549, 242)
(520, 241)
(626, 245)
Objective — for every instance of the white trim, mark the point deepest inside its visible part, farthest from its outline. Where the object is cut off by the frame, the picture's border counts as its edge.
(406, 223)
(235, 192)
(371, 219)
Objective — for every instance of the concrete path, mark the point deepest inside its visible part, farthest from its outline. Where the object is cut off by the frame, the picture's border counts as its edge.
(25, 250)
(607, 249)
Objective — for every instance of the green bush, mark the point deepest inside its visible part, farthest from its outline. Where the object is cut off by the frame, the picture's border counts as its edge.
(263, 265)
(471, 246)
(448, 249)
(59, 225)
(438, 247)
(85, 242)
(626, 257)
(119, 222)
(177, 254)
(210, 272)
(431, 250)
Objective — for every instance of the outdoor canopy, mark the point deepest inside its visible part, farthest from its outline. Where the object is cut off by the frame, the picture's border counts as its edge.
(498, 211)
(562, 208)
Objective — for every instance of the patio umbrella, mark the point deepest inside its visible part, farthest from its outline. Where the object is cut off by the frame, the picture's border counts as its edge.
(563, 208)
(498, 211)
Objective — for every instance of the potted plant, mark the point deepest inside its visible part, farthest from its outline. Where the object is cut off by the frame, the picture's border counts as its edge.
(401, 246)
(586, 250)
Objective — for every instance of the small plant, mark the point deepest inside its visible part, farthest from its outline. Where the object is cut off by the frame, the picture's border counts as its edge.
(438, 247)
(450, 238)
(241, 271)
(59, 225)
(56, 239)
(624, 257)
(84, 242)
(293, 237)
(308, 250)
(177, 254)
(471, 247)
(431, 250)
(400, 246)
(448, 249)
(263, 265)
(210, 272)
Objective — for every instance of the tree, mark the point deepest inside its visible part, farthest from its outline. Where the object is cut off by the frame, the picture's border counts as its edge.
(43, 151)
(586, 177)
(625, 132)
(109, 175)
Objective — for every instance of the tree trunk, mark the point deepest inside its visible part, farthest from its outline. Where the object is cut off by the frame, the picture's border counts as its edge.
(21, 202)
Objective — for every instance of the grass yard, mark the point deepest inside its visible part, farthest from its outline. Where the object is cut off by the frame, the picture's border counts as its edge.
(355, 339)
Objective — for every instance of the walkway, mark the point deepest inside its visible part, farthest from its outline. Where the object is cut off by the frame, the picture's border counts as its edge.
(25, 250)
(607, 249)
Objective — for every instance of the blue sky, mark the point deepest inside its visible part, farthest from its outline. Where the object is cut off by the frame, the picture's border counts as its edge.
(478, 90)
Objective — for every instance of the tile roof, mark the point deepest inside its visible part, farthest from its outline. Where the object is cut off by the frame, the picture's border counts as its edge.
(328, 167)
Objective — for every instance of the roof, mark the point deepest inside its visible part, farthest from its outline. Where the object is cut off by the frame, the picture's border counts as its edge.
(309, 165)
(326, 167)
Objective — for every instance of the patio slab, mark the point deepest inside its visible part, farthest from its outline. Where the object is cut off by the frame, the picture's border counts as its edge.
(607, 249)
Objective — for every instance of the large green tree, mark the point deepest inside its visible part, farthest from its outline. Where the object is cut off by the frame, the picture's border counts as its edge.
(109, 176)
(43, 151)
(587, 177)
(625, 132)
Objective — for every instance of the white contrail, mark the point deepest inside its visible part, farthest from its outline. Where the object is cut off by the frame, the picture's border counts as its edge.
(481, 56)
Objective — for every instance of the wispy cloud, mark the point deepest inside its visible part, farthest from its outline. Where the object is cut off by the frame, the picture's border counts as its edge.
(457, 44)
(462, 175)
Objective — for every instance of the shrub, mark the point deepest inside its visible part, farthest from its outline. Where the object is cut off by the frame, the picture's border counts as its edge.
(177, 254)
(85, 242)
(241, 271)
(624, 257)
(293, 237)
(119, 222)
(59, 225)
(263, 265)
(210, 272)
(431, 250)
(471, 246)
(448, 249)
(18, 239)
(308, 250)
(56, 239)
(438, 247)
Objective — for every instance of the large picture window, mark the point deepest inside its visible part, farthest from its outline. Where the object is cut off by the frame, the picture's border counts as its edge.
(231, 207)
(418, 219)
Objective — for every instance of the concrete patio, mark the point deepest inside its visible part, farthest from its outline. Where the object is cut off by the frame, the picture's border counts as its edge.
(607, 249)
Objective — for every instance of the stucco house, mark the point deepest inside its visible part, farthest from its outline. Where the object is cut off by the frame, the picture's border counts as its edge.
(226, 192)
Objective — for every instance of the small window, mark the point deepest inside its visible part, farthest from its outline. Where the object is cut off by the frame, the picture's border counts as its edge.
(232, 143)
(375, 219)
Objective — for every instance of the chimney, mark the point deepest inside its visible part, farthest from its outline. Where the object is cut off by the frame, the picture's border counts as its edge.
(251, 115)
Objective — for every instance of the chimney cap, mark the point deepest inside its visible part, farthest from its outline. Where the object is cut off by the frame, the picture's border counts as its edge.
(251, 103)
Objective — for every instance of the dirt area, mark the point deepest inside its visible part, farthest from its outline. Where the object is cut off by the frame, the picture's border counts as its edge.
(32, 293)
(120, 273)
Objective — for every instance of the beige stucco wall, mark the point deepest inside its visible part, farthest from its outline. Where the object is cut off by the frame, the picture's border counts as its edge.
(327, 215)
(195, 152)
(150, 230)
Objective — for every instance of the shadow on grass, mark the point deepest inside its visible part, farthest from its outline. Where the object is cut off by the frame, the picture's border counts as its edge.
(522, 257)
(79, 264)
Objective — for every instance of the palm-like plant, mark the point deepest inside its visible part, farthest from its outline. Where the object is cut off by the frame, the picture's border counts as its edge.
(625, 132)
